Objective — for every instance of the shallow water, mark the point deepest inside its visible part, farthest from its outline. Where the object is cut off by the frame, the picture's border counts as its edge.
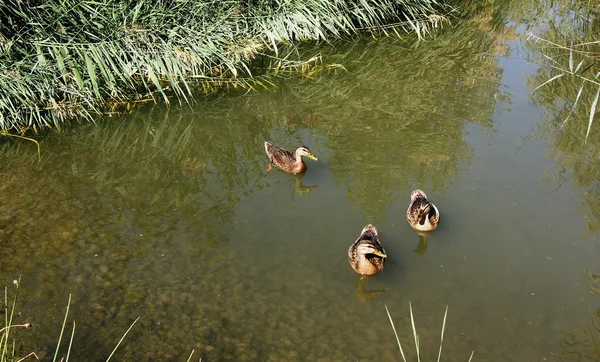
(168, 214)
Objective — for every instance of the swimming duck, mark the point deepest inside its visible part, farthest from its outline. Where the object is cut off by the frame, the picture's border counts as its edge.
(287, 161)
(422, 215)
(366, 255)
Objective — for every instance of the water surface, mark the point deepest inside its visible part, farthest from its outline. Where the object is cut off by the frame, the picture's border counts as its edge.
(168, 214)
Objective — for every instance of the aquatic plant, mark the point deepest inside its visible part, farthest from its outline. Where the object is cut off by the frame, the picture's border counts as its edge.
(7, 352)
(577, 71)
(416, 336)
(570, 48)
(65, 59)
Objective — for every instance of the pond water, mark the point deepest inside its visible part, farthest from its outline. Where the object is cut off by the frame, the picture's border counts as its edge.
(168, 214)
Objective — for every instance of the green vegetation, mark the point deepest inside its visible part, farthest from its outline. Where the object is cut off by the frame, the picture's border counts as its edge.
(571, 51)
(416, 336)
(589, 59)
(71, 58)
(570, 75)
(7, 352)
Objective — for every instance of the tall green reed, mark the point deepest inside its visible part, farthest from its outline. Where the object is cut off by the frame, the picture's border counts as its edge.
(61, 59)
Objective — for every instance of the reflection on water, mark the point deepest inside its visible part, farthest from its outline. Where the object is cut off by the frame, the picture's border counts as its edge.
(361, 293)
(302, 189)
(168, 214)
(565, 127)
(421, 248)
(583, 343)
(423, 142)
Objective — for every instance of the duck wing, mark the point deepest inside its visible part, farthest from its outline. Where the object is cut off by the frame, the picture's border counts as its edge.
(279, 156)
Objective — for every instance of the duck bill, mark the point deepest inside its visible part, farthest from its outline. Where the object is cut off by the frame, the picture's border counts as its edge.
(312, 157)
(379, 253)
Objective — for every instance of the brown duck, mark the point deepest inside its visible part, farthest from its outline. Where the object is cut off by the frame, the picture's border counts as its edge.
(287, 161)
(366, 255)
(421, 214)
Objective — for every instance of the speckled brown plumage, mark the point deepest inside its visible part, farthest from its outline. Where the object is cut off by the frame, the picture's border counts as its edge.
(361, 254)
(421, 214)
(286, 160)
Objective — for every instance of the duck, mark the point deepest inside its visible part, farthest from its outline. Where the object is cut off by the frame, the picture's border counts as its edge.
(421, 214)
(366, 255)
(286, 160)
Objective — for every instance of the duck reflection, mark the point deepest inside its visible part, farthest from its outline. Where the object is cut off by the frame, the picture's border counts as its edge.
(302, 189)
(421, 248)
(363, 294)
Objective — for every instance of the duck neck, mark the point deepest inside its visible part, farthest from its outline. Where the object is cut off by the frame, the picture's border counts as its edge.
(366, 265)
(299, 165)
(298, 158)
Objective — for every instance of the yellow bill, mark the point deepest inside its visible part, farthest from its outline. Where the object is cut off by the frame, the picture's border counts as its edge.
(379, 253)
(312, 157)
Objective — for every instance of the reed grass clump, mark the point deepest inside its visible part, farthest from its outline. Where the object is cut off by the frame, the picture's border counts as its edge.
(61, 59)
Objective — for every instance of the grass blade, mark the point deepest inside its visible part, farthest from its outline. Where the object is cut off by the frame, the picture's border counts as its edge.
(91, 69)
(39, 151)
(62, 329)
(3, 343)
(558, 65)
(578, 66)
(442, 335)
(574, 104)
(396, 334)
(70, 343)
(571, 57)
(470, 358)
(548, 81)
(122, 338)
(412, 321)
(156, 82)
(592, 113)
(9, 319)
(588, 67)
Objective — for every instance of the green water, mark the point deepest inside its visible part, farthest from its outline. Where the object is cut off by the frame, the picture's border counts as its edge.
(168, 214)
